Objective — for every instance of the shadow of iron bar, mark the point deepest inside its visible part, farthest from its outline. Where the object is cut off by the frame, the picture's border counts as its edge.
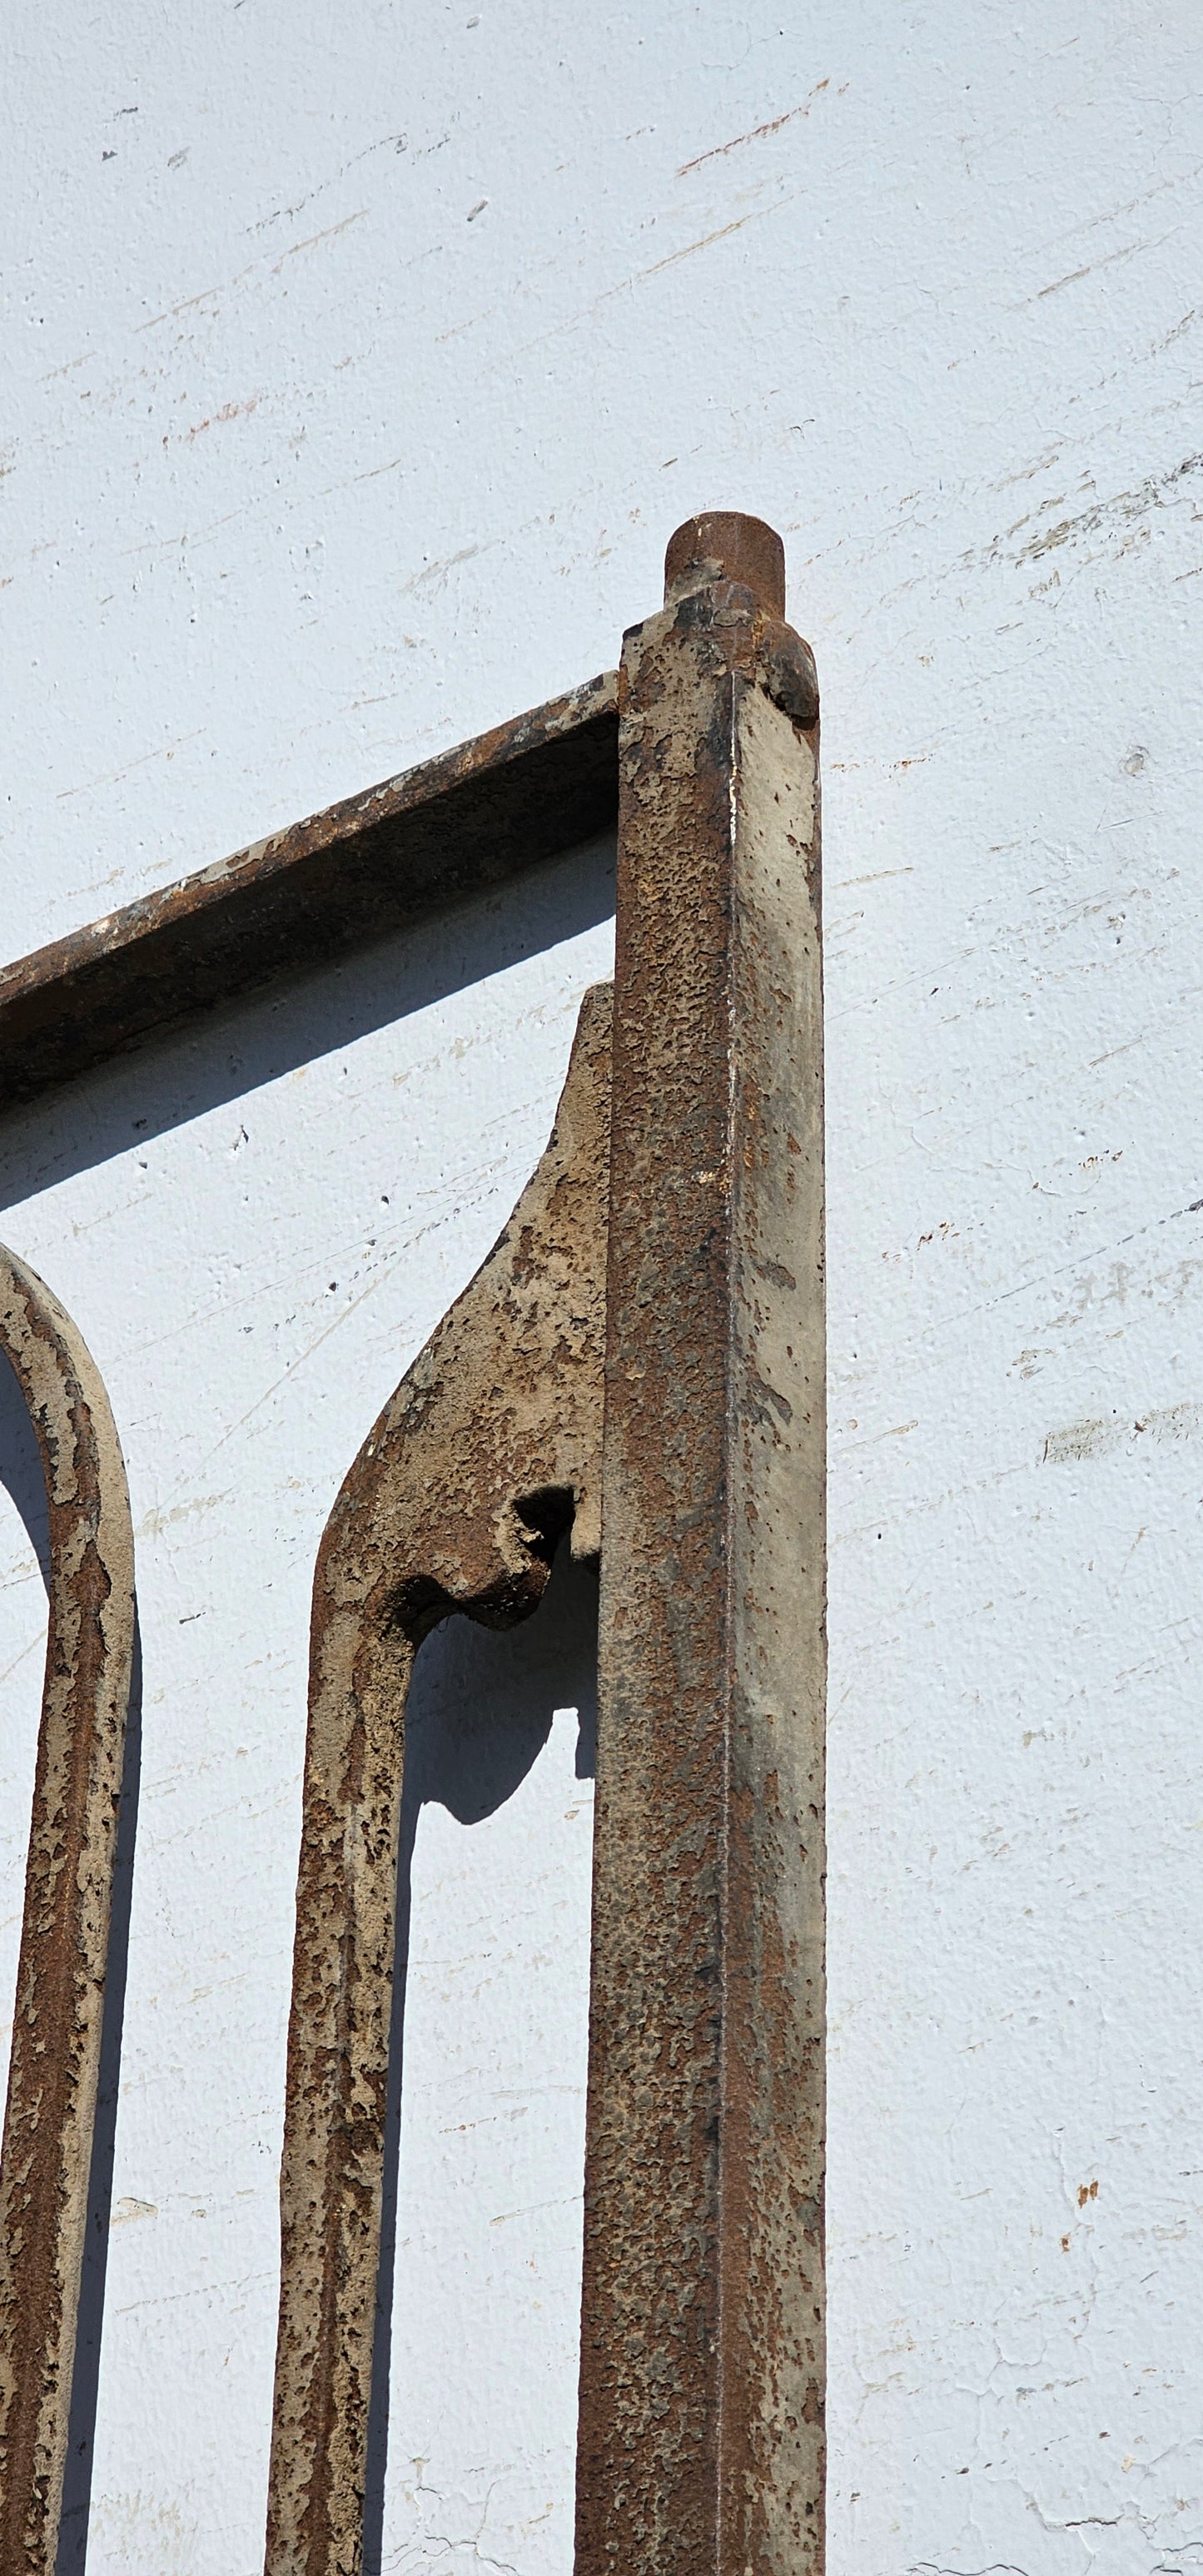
(481, 1705)
(227, 1054)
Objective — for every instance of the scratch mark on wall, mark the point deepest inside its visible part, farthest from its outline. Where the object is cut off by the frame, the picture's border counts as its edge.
(997, 2567)
(370, 472)
(229, 411)
(298, 1362)
(195, 536)
(109, 777)
(878, 876)
(690, 247)
(638, 277)
(398, 142)
(312, 239)
(1118, 511)
(444, 564)
(35, 1646)
(1089, 270)
(755, 132)
(154, 1523)
(1179, 331)
(1098, 1437)
(1024, 473)
(208, 295)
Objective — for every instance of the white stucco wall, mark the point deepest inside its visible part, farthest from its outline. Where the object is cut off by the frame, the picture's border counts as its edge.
(359, 371)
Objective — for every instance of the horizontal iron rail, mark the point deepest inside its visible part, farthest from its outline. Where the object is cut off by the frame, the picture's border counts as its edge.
(432, 837)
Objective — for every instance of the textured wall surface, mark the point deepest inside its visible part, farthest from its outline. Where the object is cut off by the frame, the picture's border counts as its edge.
(358, 374)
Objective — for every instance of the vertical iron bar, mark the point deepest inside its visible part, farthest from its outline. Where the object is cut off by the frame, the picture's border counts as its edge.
(702, 2374)
(58, 2010)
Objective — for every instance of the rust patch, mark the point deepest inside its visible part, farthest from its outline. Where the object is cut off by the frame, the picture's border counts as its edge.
(702, 2361)
(486, 1454)
(54, 2064)
(724, 545)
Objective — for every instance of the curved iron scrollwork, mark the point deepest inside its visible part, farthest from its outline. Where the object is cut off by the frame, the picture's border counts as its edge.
(487, 1453)
(54, 2064)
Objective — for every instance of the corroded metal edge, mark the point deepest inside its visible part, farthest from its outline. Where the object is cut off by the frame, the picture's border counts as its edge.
(485, 1455)
(702, 2372)
(436, 834)
(54, 2064)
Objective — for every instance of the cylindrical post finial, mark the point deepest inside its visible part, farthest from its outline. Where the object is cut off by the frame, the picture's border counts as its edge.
(724, 545)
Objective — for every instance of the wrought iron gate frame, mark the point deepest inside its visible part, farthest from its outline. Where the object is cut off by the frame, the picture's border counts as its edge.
(665, 1268)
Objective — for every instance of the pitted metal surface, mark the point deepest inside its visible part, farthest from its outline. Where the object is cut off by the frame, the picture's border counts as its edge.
(53, 2069)
(489, 1451)
(676, 1218)
(702, 2378)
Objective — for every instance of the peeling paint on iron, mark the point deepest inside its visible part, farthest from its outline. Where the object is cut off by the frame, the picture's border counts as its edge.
(487, 1453)
(702, 2374)
(54, 2063)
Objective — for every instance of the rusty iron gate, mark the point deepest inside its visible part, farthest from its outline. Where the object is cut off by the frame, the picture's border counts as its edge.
(638, 1369)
